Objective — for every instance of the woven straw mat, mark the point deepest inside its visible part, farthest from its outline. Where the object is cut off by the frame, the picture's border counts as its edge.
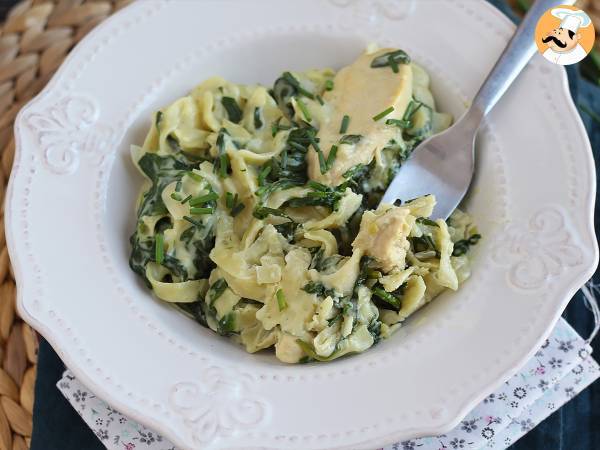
(34, 40)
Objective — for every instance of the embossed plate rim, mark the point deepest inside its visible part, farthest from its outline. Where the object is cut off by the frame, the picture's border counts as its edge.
(132, 411)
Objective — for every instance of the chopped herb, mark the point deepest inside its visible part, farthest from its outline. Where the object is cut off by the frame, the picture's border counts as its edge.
(234, 111)
(200, 211)
(158, 120)
(204, 199)
(262, 176)
(331, 157)
(329, 85)
(159, 251)
(383, 113)
(216, 290)
(304, 109)
(238, 208)
(322, 161)
(320, 195)
(261, 212)
(178, 186)
(281, 303)
(397, 202)
(426, 221)
(461, 247)
(192, 221)
(391, 59)
(422, 243)
(388, 298)
(226, 325)
(282, 184)
(400, 123)
(229, 200)
(194, 176)
(185, 200)
(223, 165)
(355, 172)
(320, 100)
(258, 123)
(296, 84)
(351, 139)
(176, 196)
(345, 123)
(314, 287)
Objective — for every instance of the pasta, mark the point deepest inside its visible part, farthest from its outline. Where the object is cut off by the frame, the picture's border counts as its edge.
(260, 216)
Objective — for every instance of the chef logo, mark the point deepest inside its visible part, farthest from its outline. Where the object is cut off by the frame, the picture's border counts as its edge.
(564, 35)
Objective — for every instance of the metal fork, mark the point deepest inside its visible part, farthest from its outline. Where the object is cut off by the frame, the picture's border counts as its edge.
(443, 165)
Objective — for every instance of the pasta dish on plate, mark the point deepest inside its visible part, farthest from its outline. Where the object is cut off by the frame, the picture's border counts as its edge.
(260, 217)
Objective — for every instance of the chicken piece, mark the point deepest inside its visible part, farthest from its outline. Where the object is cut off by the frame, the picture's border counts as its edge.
(361, 92)
(383, 235)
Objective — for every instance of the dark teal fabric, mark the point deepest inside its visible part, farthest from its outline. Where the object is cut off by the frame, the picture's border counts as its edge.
(576, 426)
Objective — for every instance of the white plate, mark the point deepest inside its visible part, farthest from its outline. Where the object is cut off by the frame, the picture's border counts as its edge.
(69, 213)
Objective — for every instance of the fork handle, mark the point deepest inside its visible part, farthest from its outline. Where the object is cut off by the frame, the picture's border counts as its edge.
(516, 55)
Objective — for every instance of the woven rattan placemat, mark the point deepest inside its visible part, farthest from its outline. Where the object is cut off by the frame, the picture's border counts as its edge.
(34, 40)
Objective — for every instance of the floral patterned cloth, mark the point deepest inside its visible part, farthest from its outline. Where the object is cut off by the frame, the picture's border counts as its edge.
(558, 371)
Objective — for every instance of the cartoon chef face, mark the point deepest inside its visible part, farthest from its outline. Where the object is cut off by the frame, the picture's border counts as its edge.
(561, 39)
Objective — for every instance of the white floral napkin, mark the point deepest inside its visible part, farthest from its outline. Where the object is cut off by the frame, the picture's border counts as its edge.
(558, 371)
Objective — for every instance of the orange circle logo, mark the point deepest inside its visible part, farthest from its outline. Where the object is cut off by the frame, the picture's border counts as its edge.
(564, 35)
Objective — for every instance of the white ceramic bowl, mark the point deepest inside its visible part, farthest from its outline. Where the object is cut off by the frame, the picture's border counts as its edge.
(69, 213)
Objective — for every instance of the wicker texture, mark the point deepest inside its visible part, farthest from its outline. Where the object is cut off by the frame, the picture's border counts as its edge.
(34, 40)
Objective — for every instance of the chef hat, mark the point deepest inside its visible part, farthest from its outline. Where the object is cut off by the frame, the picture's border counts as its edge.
(570, 19)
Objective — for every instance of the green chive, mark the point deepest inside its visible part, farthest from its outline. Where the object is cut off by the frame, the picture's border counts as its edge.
(159, 251)
(178, 186)
(399, 123)
(331, 157)
(203, 199)
(200, 211)
(329, 85)
(387, 297)
(320, 100)
(258, 123)
(281, 300)
(185, 200)
(237, 209)
(350, 139)
(262, 176)
(292, 80)
(229, 200)
(158, 120)
(223, 165)
(345, 123)
(194, 176)
(304, 109)
(426, 221)
(384, 113)
(322, 162)
(234, 111)
(176, 196)
(192, 221)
